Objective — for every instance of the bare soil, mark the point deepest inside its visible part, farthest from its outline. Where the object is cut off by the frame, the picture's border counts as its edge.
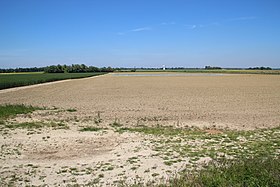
(107, 157)
(233, 101)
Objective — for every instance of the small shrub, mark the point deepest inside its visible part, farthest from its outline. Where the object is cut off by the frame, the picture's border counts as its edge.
(71, 110)
(116, 125)
(90, 129)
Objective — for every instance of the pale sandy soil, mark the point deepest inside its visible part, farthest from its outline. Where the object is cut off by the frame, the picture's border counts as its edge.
(59, 157)
(234, 101)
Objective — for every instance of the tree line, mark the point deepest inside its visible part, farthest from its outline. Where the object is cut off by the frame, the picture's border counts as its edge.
(212, 67)
(74, 68)
(260, 68)
(82, 68)
(17, 70)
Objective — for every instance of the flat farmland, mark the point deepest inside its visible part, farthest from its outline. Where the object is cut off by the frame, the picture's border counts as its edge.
(135, 128)
(233, 101)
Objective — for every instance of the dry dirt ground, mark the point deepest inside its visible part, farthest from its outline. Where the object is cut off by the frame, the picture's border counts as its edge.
(136, 120)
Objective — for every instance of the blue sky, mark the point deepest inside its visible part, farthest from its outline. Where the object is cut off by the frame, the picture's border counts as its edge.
(140, 33)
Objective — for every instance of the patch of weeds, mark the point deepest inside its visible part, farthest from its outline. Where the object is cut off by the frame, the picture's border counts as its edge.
(93, 182)
(232, 144)
(160, 130)
(133, 168)
(110, 168)
(116, 125)
(256, 171)
(168, 163)
(132, 160)
(71, 110)
(73, 169)
(59, 125)
(8, 110)
(25, 125)
(94, 129)
(154, 167)
(98, 119)
(36, 125)
(147, 171)
(62, 171)
(101, 175)
(155, 174)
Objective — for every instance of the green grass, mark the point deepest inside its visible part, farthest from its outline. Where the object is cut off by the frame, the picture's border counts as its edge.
(257, 171)
(16, 80)
(8, 111)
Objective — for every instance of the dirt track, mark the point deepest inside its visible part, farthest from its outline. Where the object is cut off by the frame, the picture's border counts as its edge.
(234, 101)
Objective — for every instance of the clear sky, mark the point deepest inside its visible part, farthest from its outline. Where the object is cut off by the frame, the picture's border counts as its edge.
(140, 33)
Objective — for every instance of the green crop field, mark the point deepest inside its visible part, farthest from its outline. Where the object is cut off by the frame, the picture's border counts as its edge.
(23, 79)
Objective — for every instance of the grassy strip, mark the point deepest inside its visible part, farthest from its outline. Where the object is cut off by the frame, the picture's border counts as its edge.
(7, 111)
(258, 171)
(16, 80)
(36, 125)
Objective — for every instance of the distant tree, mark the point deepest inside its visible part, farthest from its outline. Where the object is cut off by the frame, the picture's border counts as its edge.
(260, 68)
(93, 69)
(210, 67)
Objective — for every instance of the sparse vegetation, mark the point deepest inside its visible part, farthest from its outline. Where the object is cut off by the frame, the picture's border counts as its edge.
(9, 110)
(35, 125)
(256, 171)
(95, 129)
(71, 110)
(116, 124)
(161, 130)
(98, 119)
